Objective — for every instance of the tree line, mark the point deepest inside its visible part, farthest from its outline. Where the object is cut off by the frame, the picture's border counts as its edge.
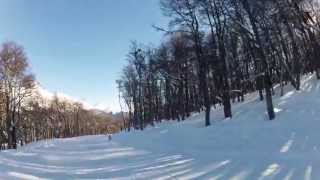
(216, 51)
(26, 116)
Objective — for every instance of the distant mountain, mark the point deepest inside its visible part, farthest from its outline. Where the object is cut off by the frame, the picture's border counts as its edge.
(46, 94)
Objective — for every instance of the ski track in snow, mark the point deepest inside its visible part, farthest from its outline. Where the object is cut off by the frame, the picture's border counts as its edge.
(245, 147)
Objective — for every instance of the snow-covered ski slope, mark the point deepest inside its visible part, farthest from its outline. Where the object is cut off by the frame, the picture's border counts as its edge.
(245, 147)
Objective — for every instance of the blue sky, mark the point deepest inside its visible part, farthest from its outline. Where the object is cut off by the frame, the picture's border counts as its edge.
(78, 47)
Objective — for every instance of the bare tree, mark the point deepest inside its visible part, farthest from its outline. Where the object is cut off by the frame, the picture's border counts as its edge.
(16, 86)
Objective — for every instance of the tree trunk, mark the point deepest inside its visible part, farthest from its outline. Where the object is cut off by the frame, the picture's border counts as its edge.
(267, 80)
(268, 87)
(203, 82)
(226, 86)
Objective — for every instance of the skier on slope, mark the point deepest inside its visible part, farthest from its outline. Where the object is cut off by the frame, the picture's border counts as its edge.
(109, 134)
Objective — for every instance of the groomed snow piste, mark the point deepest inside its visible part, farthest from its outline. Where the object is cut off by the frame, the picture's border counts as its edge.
(245, 147)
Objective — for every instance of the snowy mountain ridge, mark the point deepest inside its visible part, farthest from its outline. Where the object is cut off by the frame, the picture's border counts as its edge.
(48, 95)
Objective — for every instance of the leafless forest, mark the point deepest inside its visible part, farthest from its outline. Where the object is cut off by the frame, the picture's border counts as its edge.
(216, 51)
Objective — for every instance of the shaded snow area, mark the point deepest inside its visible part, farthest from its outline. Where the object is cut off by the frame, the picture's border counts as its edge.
(245, 147)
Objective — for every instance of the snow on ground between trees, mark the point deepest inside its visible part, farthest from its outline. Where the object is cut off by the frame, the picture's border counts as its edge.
(245, 147)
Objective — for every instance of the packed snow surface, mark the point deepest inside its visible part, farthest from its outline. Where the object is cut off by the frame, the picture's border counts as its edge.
(248, 146)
